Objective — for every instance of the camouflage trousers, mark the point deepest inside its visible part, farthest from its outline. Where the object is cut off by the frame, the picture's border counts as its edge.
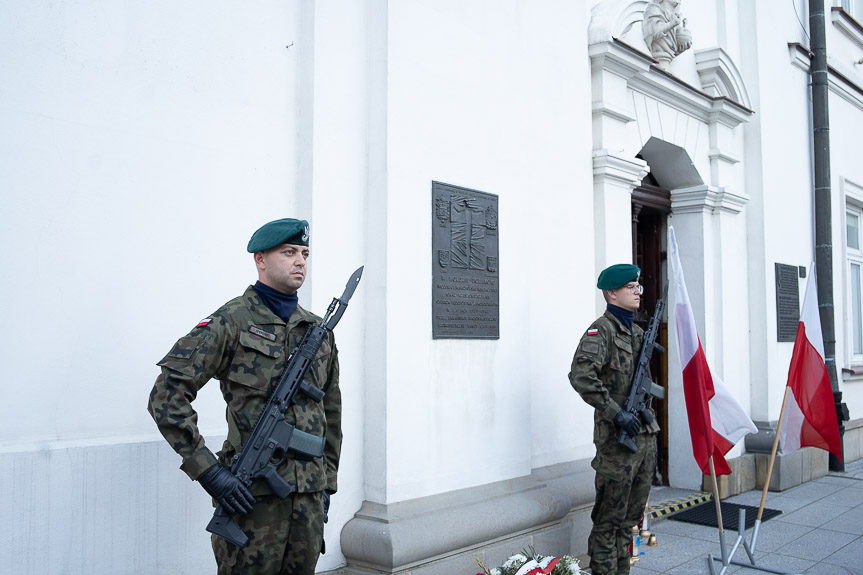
(285, 537)
(622, 489)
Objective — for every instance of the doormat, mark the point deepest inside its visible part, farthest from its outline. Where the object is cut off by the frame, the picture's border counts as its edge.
(675, 505)
(705, 514)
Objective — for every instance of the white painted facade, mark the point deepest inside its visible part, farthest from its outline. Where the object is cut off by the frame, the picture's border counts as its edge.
(144, 143)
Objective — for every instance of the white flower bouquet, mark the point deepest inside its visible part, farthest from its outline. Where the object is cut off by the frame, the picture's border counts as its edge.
(528, 562)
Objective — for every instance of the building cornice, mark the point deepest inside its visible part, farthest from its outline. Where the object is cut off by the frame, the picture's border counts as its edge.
(623, 171)
(619, 58)
(845, 23)
(839, 83)
(644, 76)
(720, 77)
(706, 199)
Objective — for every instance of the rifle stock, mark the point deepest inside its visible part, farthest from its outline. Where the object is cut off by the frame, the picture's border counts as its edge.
(222, 525)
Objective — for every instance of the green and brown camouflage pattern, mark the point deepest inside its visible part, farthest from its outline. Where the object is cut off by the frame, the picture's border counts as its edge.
(245, 346)
(601, 373)
(289, 541)
(603, 366)
(619, 505)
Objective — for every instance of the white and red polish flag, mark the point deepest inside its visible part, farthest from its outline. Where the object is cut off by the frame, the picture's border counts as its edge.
(810, 413)
(716, 420)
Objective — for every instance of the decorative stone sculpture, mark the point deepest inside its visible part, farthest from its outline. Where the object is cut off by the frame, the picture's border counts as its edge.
(665, 31)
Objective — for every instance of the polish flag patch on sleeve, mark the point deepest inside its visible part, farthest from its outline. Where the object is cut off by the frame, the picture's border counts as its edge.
(592, 332)
(204, 322)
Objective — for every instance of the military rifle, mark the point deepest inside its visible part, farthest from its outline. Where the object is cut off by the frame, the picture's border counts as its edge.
(642, 388)
(273, 437)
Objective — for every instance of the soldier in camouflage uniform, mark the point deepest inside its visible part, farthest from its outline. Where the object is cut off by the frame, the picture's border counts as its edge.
(601, 373)
(245, 345)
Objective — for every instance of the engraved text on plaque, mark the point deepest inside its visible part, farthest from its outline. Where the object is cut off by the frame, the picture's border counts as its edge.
(787, 302)
(465, 276)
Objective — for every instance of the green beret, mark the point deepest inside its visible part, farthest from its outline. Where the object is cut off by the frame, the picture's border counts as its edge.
(278, 232)
(617, 276)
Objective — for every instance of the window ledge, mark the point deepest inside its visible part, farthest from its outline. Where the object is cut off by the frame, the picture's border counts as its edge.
(848, 25)
(854, 371)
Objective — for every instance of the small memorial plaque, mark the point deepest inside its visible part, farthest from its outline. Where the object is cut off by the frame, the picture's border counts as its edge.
(465, 275)
(787, 302)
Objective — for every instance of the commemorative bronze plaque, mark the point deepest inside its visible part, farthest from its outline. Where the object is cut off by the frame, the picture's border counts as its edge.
(465, 276)
(787, 302)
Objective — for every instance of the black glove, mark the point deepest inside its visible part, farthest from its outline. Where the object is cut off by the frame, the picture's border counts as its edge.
(227, 490)
(327, 494)
(627, 422)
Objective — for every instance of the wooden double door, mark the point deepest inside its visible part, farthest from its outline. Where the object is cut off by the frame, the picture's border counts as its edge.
(651, 206)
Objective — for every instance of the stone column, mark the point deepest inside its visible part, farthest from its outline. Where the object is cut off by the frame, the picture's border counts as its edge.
(616, 170)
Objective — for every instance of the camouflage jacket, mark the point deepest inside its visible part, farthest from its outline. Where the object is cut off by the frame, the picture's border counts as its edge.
(245, 346)
(603, 366)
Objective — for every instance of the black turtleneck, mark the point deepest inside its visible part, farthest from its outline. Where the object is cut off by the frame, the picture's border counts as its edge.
(281, 304)
(626, 317)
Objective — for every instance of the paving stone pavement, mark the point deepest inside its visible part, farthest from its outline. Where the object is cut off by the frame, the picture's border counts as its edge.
(819, 532)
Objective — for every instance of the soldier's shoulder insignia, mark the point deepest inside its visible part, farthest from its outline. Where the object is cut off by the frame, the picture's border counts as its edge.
(591, 347)
(592, 342)
(204, 322)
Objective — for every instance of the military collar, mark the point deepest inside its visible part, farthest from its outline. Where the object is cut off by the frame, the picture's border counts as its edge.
(617, 322)
(261, 314)
(301, 315)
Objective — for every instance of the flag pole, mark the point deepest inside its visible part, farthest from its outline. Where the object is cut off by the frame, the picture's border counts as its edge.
(769, 472)
(718, 518)
(716, 494)
(727, 558)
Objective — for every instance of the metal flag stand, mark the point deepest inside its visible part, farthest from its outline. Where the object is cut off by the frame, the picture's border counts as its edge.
(727, 557)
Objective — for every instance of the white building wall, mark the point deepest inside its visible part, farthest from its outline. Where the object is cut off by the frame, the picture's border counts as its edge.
(145, 143)
(150, 142)
(784, 223)
(338, 57)
(129, 135)
(778, 171)
(845, 44)
(846, 181)
(487, 96)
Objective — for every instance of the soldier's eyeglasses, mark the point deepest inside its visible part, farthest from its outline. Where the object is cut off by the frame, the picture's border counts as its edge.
(635, 288)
